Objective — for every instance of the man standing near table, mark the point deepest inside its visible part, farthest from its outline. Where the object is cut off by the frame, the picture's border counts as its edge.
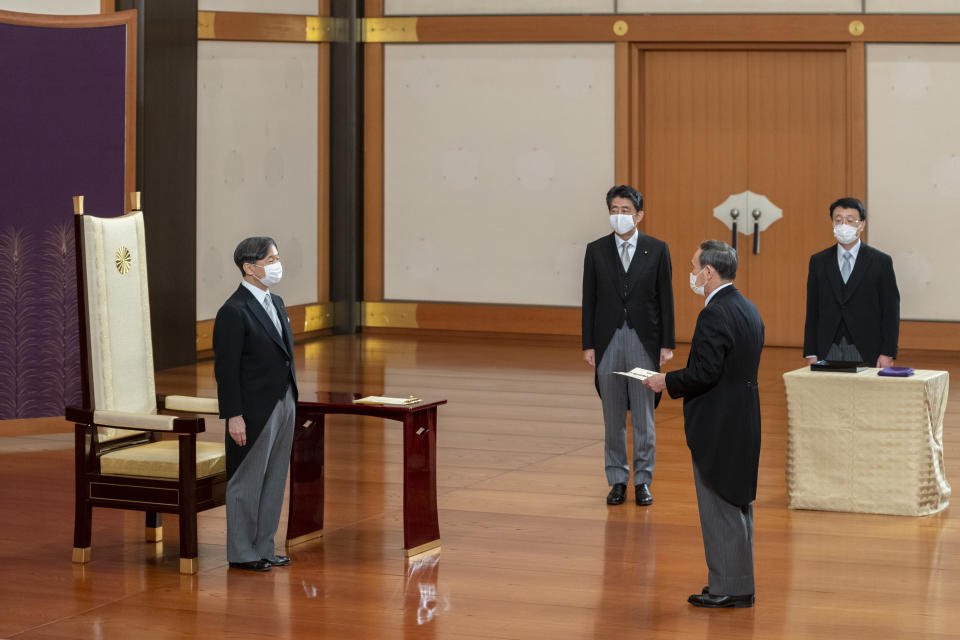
(627, 323)
(853, 304)
(721, 413)
(257, 390)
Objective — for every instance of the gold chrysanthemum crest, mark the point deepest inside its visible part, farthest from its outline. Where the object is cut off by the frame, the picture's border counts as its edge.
(122, 259)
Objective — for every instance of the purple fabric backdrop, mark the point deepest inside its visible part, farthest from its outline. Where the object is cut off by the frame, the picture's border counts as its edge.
(62, 126)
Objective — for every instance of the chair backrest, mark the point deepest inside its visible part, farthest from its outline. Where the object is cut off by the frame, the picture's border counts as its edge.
(117, 304)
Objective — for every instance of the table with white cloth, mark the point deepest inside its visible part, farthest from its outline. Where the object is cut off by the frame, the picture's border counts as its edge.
(866, 443)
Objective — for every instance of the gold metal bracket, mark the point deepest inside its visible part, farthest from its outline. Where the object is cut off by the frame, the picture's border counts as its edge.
(389, 314)
(154, 534)
(389, 29)
(318, 316)
(134, 201)
(81, 555)
(322, 29)
(423, 548)
(313, 535)
(189, 565)
(78, 205)
(206, 25)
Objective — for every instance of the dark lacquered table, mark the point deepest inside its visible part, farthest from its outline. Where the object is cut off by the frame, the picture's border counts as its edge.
(421, 530)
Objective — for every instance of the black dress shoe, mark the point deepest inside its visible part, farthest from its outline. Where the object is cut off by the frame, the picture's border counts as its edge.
(644, 497)
(278, 561)
(618, 493)
(253, 565)
(714, 601)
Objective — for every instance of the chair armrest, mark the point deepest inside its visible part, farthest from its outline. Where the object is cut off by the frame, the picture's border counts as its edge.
(189, 404)
(135, 421)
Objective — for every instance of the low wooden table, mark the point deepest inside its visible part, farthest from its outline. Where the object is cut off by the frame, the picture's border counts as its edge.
(421, 531)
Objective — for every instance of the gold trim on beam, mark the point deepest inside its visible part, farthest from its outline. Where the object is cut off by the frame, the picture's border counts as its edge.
(389, 29)
(206, 25)
(389, 314)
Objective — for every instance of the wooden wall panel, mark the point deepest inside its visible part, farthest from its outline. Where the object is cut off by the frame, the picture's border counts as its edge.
(695, 129)
(798, 158)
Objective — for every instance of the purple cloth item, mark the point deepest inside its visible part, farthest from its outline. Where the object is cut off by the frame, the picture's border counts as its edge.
(62, 127)
(896, 372)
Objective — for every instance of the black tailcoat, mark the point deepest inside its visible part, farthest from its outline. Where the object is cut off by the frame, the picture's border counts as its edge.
(868, 304)
(253, 365)
(721, 404)
(643, 294)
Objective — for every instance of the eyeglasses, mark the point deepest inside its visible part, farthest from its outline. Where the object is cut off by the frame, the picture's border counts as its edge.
(628, 211)
(852, 221)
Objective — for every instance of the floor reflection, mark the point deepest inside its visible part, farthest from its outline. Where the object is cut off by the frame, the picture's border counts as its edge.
(423, 601)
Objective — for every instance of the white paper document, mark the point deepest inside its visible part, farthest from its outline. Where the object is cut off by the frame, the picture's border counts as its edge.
(387, 400)
(638, 373)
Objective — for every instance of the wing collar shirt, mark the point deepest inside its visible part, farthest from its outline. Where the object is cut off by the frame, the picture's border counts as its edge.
(714, 292)
(853, 255)
(631, 242)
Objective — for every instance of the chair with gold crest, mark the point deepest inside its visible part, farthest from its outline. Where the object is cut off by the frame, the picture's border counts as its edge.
(123, 460)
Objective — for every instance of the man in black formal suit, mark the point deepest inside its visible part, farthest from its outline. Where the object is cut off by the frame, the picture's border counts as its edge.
(721, 414)
(257, 390)
(853, 304)
(627, 323)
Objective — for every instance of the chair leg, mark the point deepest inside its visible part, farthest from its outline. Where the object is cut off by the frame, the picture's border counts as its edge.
(154, 527)
(188, 543)
(83, 510)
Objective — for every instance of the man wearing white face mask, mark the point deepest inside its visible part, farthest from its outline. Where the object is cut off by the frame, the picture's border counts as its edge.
(257, 390)
(627, 323)
(721, 421)
(853, 304)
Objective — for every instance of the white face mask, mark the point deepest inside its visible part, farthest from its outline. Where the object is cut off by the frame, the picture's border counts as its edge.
(271, 274)
(844, 233)
(622, 223)
(693, 283)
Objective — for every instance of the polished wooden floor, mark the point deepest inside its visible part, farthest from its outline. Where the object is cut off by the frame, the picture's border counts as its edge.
(530, 549)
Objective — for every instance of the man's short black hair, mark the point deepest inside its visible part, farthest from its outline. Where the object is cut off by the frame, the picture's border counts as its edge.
(849, 203)
(624, 191)
(252, 249)
(721, 256)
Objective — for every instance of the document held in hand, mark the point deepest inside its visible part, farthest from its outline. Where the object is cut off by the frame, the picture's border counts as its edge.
(638, 373)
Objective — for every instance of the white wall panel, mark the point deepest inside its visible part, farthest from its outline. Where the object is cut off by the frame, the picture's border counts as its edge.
(913, 6)
(913, 171)
(739, 6)
(299, 7)
(256, 164)
(496, 159)
(59, 7)
(504, 7)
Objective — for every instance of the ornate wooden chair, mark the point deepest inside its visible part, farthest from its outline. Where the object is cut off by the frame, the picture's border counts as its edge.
(123, 460)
